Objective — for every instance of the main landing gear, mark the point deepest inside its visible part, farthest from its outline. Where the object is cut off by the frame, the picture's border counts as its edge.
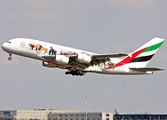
(75, 72)
(10, 56)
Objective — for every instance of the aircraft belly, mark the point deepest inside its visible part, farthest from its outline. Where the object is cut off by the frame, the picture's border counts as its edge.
(93, 69)
(118, 70)
(29, 54)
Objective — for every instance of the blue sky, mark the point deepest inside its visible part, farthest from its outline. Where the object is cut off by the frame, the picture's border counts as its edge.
(108, 26)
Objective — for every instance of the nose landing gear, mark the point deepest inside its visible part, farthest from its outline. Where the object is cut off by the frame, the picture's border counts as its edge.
(10, 56)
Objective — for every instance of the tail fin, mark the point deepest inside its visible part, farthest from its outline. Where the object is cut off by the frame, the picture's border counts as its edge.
(141, 57)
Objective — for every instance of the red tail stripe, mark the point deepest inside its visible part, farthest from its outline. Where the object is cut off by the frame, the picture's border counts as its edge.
(128, 59)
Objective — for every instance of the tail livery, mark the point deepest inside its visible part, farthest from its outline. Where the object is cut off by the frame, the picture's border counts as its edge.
(141, 57)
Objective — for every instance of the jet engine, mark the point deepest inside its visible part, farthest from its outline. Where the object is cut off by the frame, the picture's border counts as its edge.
(83, 58)
(46, 64)
(61, 59)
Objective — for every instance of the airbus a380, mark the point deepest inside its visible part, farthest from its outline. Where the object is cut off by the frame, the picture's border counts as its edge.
(79, 62)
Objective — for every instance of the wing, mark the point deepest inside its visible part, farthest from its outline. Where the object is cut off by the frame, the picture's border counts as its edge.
(102, 58)
(83, 60)
(94, 59)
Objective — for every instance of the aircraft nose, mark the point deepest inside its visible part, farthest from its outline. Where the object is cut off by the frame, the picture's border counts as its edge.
(4, 46)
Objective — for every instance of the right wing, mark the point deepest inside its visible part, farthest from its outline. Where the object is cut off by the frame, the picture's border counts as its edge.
(83, 60)
(94, 59)
(105, 57)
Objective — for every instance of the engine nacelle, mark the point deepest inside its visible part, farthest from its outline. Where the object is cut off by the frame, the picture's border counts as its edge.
(61, 59)
(46, 64)
(83, 58)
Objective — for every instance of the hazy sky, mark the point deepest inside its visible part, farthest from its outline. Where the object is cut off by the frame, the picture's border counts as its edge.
(101, 26)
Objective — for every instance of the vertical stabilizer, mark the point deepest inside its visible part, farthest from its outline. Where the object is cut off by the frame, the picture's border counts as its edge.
(141, 57)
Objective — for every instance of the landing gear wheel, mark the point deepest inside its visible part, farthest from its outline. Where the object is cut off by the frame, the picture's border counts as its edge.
(66, 73)
(10, 58)
(75, 72)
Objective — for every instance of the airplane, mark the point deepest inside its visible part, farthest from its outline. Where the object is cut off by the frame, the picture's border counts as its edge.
(78, 62)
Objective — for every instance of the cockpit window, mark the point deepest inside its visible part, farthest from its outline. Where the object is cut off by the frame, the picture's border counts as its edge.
(9, 42)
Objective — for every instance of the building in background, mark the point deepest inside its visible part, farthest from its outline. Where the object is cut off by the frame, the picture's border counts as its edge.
(81, 116)
(52, 114)
(7, 114)
(41, 114)
(140, 116)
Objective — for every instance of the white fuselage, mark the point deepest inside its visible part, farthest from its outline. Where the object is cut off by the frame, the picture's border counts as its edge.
(28, 48)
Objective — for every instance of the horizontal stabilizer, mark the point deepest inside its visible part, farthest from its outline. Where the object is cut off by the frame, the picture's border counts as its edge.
(146, 69)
